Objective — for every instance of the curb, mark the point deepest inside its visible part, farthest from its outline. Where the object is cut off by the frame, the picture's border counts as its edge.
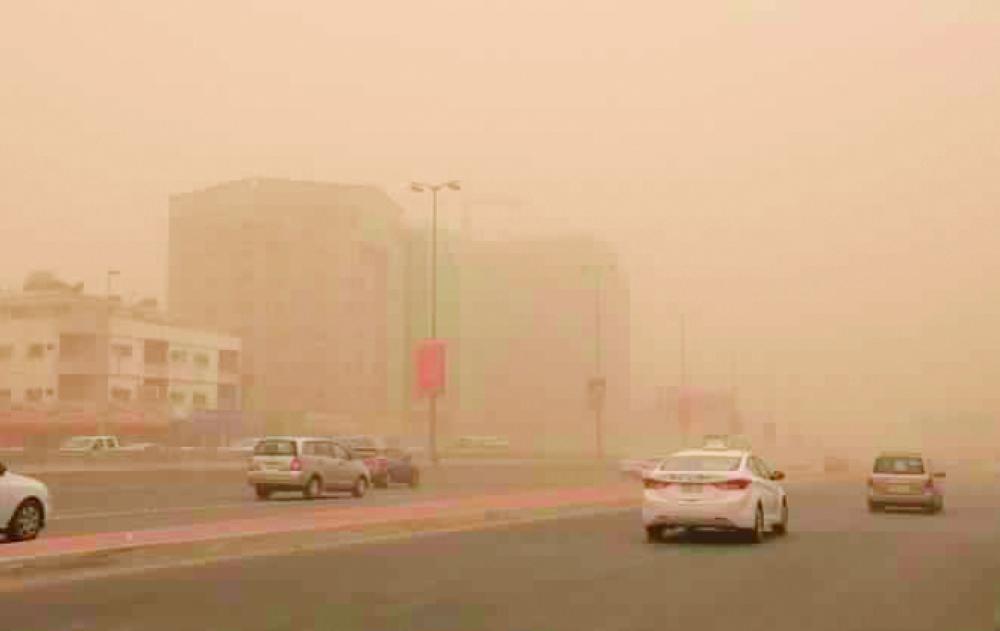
(89, 556)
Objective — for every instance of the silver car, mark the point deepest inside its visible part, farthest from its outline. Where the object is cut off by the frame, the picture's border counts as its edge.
(905, 479)
(307, 465)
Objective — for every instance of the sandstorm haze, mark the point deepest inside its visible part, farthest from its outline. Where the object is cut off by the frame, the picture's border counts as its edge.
(815, 187)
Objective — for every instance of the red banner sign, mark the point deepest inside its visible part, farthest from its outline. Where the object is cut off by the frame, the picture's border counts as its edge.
(431, 368)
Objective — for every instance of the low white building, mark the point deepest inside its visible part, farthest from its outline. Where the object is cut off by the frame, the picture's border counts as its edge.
(72, 362)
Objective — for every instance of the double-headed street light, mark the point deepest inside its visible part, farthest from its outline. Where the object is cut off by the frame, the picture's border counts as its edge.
(420, 187)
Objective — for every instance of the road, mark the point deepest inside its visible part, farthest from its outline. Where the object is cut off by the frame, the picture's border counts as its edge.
(840, 569)
(87, 502)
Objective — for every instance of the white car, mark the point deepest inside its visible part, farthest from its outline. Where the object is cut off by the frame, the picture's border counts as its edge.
(725, 489)
(24, 505)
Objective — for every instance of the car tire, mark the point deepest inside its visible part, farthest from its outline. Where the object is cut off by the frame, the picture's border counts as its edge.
(360, 487)
(781, 528)
(756, 533)
(27, 521)
(313, 488)
(654, 534)
(263, 492)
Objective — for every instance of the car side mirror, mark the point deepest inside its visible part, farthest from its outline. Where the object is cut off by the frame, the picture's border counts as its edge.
(939, 474)
(778, 475)
(3, 468)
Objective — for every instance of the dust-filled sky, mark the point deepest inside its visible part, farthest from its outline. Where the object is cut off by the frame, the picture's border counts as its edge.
(816, 185)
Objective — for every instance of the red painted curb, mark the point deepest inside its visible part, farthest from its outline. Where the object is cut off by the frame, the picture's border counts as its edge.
(319, 520)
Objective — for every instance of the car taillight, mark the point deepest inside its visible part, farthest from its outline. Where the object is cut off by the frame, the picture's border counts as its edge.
(296, 465)
(733, 485)
(655, 484)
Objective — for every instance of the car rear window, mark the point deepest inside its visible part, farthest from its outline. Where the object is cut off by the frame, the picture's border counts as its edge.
(899, 465)
(275, 448)
(701, 463)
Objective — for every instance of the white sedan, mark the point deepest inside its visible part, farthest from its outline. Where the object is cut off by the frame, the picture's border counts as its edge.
(714, 488)
(24, 505)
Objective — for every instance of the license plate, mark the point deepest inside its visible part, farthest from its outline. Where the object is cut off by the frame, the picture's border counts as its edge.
(899, 488)
(691, 488)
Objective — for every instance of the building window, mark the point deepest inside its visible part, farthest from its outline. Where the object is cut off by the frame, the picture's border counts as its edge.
(33, 395)
(6, 396)
(122, 351)
(201, 360)
(36, 351)
(6, 352)
(177, 398)
(122, 395)
(178, 356)
(200, 401)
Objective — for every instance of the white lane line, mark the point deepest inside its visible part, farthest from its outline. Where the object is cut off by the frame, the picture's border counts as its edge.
(205, 507)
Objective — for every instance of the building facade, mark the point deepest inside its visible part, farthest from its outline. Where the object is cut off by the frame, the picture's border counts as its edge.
(309, 276)
(73, 363)
(529, 323)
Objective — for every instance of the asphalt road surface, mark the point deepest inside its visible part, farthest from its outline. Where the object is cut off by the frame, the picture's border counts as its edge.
(88, 502)
(839, 568)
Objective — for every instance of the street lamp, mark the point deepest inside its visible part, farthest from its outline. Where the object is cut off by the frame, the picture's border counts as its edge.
(420, 187)
(598, 383)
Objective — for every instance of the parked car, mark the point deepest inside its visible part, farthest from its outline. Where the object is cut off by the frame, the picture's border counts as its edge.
(306, 465)
(24, 505)
(89, 444)
(905, 479)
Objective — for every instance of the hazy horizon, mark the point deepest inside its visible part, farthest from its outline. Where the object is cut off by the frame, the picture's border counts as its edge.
(814, 187)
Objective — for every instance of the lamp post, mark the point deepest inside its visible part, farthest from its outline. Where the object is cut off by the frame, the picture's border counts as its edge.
(598, 383)
(420, 187)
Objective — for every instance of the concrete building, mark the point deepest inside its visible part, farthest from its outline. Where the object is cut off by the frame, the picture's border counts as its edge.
(73, 363)
(528, 322)
(309, 276)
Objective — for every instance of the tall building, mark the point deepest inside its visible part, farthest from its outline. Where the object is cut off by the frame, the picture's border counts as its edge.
(309, 275)
(529, 324)
(77, 364)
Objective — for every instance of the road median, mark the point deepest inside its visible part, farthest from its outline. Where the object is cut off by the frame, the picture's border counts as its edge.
(79, 557)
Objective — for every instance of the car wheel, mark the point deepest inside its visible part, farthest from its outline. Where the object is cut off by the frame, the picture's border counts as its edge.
(781, 528)
(360, 486)
(314, 488)
(26, 522)
(654, 534)
(263, 492)
(756, 534)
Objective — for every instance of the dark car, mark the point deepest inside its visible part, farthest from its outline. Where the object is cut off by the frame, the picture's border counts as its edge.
(386, 464)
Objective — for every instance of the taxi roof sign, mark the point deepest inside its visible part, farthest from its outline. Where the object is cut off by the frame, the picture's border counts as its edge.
(724, 441)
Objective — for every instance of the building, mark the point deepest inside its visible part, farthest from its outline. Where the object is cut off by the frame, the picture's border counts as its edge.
(529, 323)
(309, 276)
(76, 364)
